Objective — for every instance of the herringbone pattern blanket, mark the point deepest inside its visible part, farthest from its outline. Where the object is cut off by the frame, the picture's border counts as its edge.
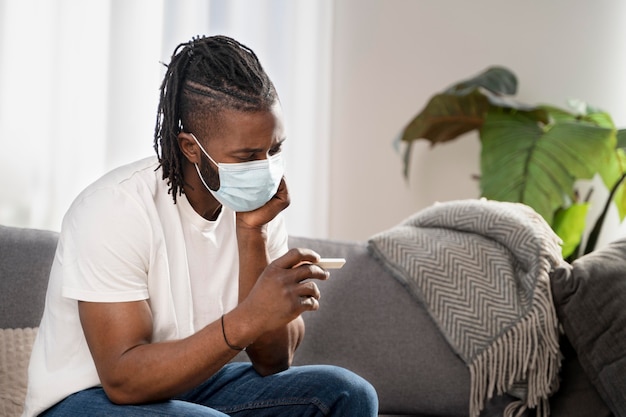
(481, 269)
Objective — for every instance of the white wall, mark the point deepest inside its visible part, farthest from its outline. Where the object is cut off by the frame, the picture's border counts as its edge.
(390, 56)
(79, 88)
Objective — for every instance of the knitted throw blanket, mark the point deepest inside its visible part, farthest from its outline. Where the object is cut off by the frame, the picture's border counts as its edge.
(481, 269)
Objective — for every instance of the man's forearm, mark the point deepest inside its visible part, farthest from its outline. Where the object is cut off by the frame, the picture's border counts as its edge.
(273, 351)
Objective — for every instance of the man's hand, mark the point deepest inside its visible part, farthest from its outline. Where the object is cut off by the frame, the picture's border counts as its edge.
(285, 290)
(269, 315)
(258, 218)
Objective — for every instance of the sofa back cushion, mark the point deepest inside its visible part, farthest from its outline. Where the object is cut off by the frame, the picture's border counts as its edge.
(369, 323)
(25, 260)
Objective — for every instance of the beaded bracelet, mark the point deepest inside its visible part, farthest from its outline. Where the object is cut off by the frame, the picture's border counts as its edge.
(233, 347)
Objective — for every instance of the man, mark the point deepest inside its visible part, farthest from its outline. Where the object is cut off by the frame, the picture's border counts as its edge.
(169, 267)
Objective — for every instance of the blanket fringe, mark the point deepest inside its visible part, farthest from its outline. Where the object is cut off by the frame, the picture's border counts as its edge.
(527, 353)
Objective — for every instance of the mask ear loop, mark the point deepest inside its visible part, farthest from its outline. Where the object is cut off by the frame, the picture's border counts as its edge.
(201, 178)
(203, 151)
(196, 165)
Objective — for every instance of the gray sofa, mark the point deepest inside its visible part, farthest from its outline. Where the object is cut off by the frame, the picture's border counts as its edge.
(367, 322)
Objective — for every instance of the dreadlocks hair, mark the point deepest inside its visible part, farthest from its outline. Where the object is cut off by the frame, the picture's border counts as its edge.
(205, 76)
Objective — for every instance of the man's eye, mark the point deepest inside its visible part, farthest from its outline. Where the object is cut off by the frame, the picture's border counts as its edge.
(246, 156)
(275, 150)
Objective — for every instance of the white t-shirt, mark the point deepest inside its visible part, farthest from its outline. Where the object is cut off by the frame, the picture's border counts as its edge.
(123, 239)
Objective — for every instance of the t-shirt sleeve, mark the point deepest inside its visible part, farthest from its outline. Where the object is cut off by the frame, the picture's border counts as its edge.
(105, 248)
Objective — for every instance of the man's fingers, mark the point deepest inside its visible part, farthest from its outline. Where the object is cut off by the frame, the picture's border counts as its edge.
(309, 271)
(308, 289)
(308, 295)
(309, 303)
(295, 257)
(282, 194)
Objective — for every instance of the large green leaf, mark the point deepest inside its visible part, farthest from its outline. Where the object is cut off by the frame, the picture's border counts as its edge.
(569, 225)
(496, 79)
(621, 138)
(449, 115)
(620, 192)
(570, 124)
(524, 161)
(462, 108)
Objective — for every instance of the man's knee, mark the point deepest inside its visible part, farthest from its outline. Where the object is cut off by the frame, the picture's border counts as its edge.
(345, 390)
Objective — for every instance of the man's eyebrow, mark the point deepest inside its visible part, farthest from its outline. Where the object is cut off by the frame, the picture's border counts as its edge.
(256, 150)
(248, 150)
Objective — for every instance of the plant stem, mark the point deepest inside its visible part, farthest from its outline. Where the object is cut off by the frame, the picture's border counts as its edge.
(597, 228)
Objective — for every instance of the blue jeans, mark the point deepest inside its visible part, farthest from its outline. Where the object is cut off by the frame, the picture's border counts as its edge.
(237, 390)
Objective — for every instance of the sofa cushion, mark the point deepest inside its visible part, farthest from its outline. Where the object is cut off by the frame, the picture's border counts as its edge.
(15, 348)
(576, 396)
(590, 296)
(362, 325)
(25, 259)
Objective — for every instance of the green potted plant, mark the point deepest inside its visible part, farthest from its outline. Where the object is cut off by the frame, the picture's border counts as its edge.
(531, 154)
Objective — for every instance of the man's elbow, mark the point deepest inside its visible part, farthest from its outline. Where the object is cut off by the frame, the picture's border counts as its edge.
(122, 394)
(118, 396)
(271, 369)
(269, 364)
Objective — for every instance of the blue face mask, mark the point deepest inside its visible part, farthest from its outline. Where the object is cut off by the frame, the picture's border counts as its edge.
(245, 186)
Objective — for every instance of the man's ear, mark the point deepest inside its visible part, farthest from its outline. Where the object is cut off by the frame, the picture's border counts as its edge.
(189, 147)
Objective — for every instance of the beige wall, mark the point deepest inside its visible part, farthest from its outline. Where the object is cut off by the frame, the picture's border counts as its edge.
(390, 56)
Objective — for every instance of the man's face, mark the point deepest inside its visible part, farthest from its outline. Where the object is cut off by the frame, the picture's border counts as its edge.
(241, 137)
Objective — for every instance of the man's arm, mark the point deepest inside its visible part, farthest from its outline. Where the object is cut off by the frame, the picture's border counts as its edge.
(134, 369)
(274, 350)
(131, 368)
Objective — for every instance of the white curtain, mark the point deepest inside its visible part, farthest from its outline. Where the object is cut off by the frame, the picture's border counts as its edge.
(79, 90)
